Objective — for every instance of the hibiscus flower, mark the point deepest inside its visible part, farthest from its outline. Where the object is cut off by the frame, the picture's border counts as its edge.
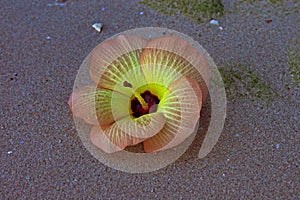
(148, 91)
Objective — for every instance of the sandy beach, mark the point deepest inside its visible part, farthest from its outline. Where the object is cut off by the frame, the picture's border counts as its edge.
(42, 45)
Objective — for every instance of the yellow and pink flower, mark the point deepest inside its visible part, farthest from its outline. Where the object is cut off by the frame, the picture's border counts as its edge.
(148, 91)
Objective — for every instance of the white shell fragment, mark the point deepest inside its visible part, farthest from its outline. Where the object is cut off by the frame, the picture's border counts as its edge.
(97, 27)
(214, 22)
(57, 4)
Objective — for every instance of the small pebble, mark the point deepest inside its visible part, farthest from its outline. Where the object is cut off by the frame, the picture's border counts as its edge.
(141, 13)
(56, 4)
(268, 21)
(214, 22)
(9, 152)
(97, 27)
(223, 175)
(48, 37)
(277, 146)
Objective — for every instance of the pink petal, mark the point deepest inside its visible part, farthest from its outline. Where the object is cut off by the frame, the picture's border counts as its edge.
(127, 132)
(113, 58)
(181, 108)
(178, 54)
(96, 106)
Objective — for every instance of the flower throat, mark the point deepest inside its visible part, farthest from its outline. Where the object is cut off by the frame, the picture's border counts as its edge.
(151, 101)
(143, 103)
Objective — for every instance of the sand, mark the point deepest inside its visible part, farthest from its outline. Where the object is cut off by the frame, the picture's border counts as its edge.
(42, 156)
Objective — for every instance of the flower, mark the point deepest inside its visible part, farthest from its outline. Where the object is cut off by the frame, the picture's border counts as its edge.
(143, 91)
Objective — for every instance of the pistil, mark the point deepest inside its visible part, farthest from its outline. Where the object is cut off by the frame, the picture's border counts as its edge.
(140, 99)
(136, 95)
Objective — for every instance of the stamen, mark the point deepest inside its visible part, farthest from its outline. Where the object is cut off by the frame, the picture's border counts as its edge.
(138, 96)
(140, 99)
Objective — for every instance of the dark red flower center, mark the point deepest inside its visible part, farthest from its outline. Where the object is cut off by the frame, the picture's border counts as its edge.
(138, 110)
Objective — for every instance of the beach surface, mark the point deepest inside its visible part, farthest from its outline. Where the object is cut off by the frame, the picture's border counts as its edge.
(42, 45)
